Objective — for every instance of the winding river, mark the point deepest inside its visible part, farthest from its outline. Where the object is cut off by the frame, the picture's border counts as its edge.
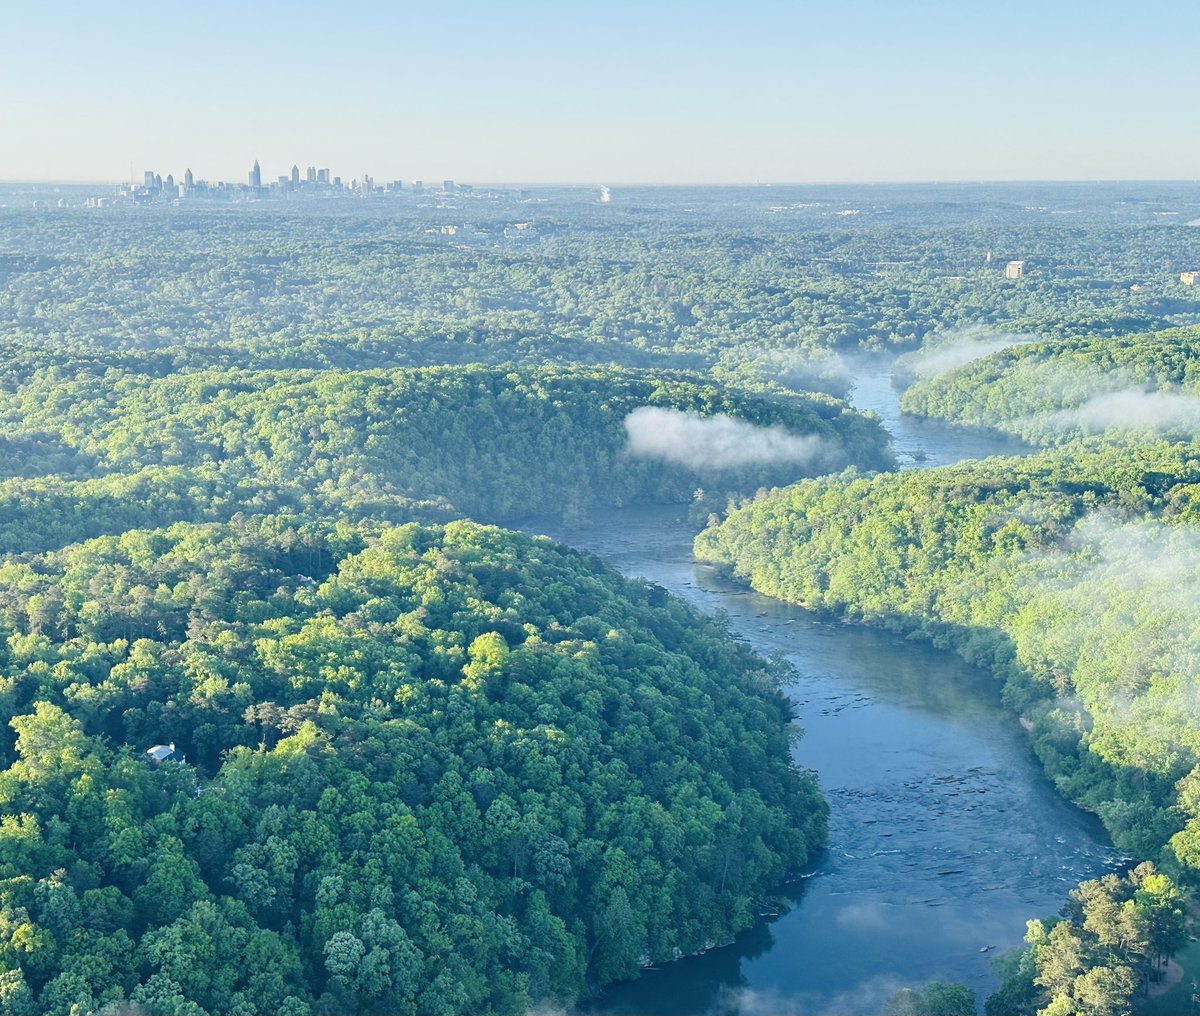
(945, 837)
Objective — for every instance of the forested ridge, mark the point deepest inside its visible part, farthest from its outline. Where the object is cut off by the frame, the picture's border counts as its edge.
(1054, 392)
(428, 770)
(494, 442)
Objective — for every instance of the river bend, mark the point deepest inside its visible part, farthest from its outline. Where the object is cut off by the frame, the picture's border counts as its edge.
(944, 835)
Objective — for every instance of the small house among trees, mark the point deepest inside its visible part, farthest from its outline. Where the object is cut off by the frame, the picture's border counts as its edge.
(163, 753)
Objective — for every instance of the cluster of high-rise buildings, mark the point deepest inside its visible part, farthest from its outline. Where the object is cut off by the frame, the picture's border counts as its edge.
(313, 182)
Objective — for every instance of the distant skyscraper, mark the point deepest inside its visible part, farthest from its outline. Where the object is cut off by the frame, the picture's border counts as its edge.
(188, 180)
(448, 186)
(148, 179)
(295, 176)
(323, 176)
(256, 175)
(311, 175)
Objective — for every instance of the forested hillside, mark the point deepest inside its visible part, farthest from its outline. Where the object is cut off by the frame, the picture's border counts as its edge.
(491, 442)
(428, 770)
(1069, 573)
(1053, 392)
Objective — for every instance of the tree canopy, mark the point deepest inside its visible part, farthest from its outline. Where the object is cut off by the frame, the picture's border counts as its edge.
(1050, 393)
(429, 443)
(428, 769)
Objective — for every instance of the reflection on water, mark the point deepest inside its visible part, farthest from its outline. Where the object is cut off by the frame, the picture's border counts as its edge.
(945, 837)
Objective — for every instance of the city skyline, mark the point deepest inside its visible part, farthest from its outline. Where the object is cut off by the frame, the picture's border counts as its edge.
(313, 179)
(698, 93)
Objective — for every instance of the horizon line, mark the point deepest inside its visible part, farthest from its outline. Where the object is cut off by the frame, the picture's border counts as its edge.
(80, 182)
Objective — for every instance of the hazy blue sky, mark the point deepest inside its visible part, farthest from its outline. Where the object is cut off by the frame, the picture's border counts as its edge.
(614, 92)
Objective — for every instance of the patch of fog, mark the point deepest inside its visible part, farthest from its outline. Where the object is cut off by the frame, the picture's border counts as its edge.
(715, 443)
(815, 371)
(823, 371)
(1124, 409)
(1045, 399)
(947, 351)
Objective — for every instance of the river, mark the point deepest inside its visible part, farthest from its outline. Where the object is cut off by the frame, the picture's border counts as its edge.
(944, 835)
(917, 442)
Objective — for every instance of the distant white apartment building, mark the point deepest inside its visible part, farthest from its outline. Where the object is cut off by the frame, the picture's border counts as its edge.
(1014, 269)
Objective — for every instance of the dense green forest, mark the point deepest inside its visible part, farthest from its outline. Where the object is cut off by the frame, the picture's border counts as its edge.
(430, 769)
(493, 442)
(1053, 392)
(437, 767)
(741, 279)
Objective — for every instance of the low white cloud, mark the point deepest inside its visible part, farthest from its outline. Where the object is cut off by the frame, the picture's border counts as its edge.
(713, 443)
(1130, 409)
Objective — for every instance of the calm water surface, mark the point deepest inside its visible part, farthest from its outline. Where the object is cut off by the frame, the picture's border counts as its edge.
(921, 442)
(945, 837)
